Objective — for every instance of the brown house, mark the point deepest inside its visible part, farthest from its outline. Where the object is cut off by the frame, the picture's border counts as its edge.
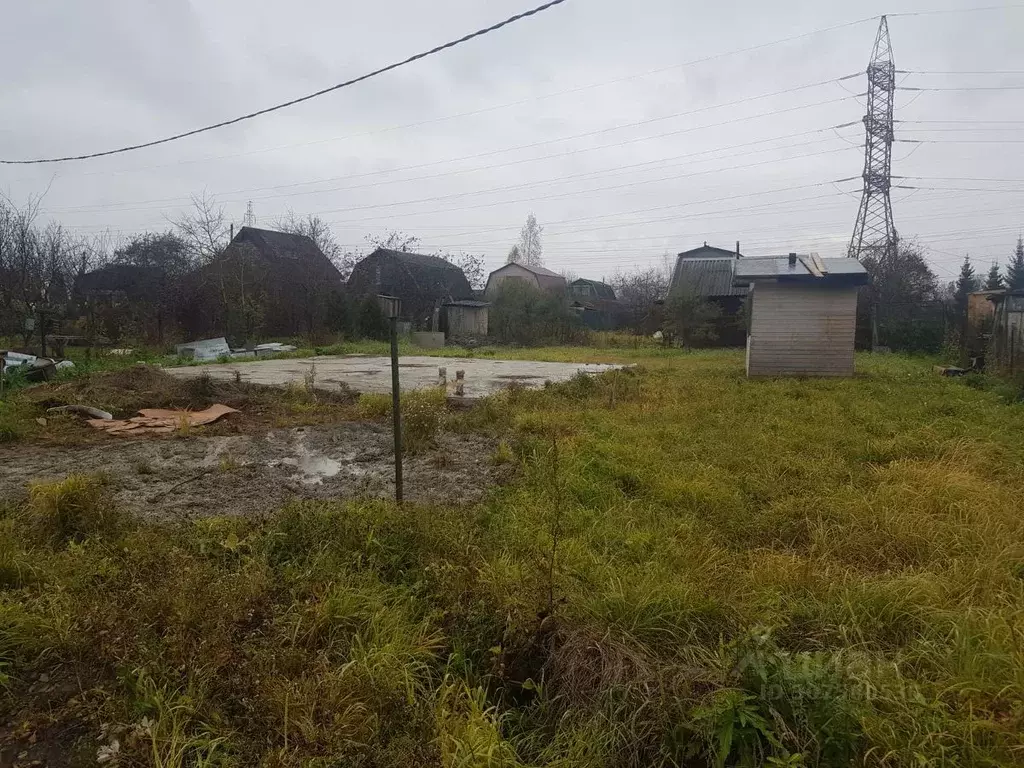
(265, 283)
(538, 277)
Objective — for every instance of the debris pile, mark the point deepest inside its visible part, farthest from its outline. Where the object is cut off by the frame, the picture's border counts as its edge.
(160, 421)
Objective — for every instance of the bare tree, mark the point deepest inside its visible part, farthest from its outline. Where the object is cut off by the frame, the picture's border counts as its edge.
(529, 251)
(37, 266)
(319, 231)
(204, 228)
(394, 240)
(472, 267)
(638, 293)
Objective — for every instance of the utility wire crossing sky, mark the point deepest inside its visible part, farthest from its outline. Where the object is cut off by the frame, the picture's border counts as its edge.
(585, 115)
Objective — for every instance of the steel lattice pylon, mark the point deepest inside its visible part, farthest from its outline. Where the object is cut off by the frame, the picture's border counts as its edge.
(874, 234)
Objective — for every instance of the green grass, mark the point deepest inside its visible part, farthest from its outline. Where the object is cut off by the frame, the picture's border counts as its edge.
(690, 568)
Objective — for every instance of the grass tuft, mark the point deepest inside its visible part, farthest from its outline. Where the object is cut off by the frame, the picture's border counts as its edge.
(72, 509)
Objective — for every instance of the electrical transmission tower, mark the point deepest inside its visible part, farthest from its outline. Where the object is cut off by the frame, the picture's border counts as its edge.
(250, 215)
(874, 234)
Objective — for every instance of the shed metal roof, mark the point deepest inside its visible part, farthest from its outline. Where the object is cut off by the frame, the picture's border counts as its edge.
(706, 277)
(471, 303)
(779, 267)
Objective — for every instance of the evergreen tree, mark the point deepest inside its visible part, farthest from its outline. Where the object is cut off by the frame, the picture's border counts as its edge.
(965, 284)
(1015, 270)
(994, 281)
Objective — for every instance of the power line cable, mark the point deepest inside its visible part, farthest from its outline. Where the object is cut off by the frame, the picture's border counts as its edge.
(974, 72)
(1003, 7)
(962, 122)
(657, 165)
(625, 78)
(587, 134)
(299, 100)
(960, 141)
(962, 88)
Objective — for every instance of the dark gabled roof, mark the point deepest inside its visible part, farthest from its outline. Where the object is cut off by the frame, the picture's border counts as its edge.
(708, 278)
(283, 247)
(601, 290)
(131, 280)
(418, 279)
(419, 259)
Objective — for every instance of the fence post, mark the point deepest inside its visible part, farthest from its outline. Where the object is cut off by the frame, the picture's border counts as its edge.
(396, 408)
(1013, 345)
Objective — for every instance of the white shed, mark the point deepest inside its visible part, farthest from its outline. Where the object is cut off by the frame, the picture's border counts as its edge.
(802, 314)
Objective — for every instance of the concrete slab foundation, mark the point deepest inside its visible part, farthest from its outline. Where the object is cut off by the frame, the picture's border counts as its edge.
(365, 373)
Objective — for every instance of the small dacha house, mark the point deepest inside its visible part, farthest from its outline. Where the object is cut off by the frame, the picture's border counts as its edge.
(596, 304)
(706, 273)
(537, 277)
(803, 314)
(422, 283)
(264, 283)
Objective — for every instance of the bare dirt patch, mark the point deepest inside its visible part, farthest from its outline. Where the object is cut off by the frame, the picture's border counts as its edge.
(254, 474)
(123, 393)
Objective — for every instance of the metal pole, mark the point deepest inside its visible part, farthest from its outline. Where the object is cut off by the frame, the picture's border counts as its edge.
(42, 333)
(396, 409)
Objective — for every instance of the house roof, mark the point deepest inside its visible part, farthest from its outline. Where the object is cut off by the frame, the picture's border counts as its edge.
(420, 280)
(601, 290)
(282, 246)
(545, 277)
(538, 270)
(470, 303)
(802, 269)
(707, 278)
(707, 252)
(132, 280)
(419, 259)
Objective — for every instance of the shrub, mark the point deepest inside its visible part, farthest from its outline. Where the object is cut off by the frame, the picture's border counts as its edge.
(423, 415)
(522, 314)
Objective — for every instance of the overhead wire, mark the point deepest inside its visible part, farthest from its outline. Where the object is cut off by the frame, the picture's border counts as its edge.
(567, 179)
(613, 81)
(587, 134)
(298, 100)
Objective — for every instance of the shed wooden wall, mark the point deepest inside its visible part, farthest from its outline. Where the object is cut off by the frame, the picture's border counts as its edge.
(801, 330)
(467, 321)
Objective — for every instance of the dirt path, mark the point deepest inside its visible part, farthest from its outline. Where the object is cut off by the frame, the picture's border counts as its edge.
(254, 474)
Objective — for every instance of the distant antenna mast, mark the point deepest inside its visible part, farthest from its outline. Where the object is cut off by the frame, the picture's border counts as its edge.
(250, 216)
(874, 234)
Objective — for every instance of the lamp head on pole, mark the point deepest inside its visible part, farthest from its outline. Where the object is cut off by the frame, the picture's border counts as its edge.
(390, 306)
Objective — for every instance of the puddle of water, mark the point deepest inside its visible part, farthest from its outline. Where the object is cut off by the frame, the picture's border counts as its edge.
(312, 466)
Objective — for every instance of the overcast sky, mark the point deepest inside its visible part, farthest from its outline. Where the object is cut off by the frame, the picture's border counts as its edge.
(592, 115)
